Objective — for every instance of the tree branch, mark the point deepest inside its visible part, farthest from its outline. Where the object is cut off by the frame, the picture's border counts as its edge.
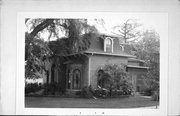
(41, 26)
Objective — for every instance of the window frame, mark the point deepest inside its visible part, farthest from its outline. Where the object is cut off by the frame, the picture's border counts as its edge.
(105, 44)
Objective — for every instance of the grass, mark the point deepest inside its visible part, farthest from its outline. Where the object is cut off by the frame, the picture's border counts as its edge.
(57, 102)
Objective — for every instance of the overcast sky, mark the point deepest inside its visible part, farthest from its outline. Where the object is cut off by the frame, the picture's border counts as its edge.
(155, 21)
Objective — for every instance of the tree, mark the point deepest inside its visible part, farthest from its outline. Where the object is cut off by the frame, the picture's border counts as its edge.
(128, 30)
(76, 37)
(147, 49)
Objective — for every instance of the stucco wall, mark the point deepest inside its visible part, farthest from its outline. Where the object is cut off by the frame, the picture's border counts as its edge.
(85, 72)
(98, 61)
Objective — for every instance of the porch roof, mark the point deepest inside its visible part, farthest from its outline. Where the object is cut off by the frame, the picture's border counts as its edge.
(111, 54)
(100, 53)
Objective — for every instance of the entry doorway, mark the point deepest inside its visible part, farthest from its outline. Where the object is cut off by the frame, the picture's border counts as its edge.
(76, 81)
(74, 77)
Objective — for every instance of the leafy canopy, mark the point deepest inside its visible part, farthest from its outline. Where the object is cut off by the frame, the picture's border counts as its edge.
(69, 36)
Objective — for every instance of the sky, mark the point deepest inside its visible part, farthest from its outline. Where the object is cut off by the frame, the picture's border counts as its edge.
(151, 21)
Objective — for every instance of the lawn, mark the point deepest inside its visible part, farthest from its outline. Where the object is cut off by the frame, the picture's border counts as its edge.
(57, 102)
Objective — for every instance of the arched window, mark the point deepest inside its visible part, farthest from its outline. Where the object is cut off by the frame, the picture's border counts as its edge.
(100, 78)
(108, 44)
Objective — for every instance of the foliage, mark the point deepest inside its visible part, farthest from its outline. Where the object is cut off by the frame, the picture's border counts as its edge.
(35, 51)
(71, 35)
(101, 92)
(87, 92)
(147, 49)
(49, 89)
(114, 77)
(128, 30)
(32, 87)
(53, 88)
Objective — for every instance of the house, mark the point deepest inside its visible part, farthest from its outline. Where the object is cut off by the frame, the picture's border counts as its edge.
(81, 69)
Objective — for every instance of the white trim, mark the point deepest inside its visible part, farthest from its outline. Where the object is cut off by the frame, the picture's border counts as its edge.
(141, 67)
(112, 42)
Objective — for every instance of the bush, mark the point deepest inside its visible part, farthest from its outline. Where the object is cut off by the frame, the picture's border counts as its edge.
(52, 89)
(32, 87)
(126, 88)
(114, 77)
(87, 92)
(49, 89)
(101, 92)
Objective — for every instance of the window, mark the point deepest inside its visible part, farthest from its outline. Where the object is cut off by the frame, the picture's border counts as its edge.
(122, 47)
(101, 81)
(108, 44)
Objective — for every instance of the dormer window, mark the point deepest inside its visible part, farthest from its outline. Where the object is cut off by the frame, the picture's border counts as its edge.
(122, 47)
(108, 44)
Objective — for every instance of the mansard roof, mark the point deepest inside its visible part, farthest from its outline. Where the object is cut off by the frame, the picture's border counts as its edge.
(97, 47)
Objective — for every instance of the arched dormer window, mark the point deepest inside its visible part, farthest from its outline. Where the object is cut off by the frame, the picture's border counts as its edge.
(108, 44)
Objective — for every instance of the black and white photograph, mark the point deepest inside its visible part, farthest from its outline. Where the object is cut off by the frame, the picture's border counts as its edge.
(92, 63)
(89, 58)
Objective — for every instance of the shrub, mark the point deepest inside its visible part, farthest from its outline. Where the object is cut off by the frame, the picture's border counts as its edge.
(101, 92)
(116, 93)
(32, 87)
(113, 77)
(87, 92)
(126, 88)
(49, 89)
(52, 89)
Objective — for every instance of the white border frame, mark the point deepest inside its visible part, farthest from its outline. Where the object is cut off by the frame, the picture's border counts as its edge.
(20, 100)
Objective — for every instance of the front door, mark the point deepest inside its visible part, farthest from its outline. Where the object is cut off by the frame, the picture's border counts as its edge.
(74, 77)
